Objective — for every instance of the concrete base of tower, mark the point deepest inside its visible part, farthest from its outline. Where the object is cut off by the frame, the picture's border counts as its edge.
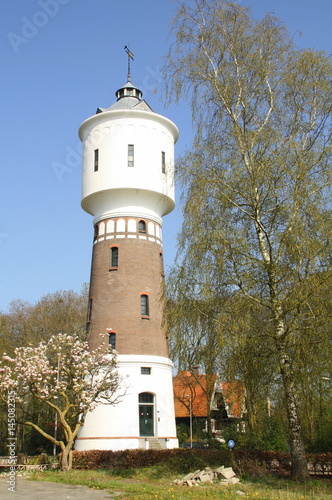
(144, 416)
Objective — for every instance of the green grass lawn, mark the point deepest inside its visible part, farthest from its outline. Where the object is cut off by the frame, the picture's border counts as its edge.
(154, 483)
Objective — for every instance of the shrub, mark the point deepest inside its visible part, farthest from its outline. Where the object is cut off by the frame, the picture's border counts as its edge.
(254, 463)
(177, 459)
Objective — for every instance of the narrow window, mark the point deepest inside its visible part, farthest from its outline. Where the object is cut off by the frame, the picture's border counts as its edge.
(96, 161)
(130, 155)
(96, 231)
(89, 310)
(142, 226)
(145, 370)
(114, 257)
(112, 340)
(144, 305)
(163, 162)
(162, 264)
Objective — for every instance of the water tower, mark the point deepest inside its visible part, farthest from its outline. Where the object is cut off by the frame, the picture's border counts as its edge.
(128, 186)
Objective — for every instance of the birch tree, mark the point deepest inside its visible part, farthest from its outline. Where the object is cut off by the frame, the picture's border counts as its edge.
(257, 179)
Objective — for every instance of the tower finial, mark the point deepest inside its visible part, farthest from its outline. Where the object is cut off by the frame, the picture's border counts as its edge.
(130, 56)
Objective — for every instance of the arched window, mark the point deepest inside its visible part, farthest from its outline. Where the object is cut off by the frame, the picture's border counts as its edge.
(96, 231)
(144, 305)
(145, 397)
(112, 340)
(142, 226)
(114, 257)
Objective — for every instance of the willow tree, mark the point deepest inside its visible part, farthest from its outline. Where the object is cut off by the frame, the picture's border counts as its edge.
(257, 178)
(196, 337)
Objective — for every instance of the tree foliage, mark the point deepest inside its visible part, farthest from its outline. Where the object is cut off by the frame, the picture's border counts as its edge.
(27, 323)
(257, 180)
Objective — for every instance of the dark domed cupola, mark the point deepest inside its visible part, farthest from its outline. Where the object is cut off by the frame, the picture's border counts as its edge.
(128, 90)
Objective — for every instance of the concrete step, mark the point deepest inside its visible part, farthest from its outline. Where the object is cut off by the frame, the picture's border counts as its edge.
(154, 444)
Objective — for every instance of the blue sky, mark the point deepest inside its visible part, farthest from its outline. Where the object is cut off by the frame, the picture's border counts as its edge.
(61, 59)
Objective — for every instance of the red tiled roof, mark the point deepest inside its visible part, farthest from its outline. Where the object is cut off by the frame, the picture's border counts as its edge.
(233, 398)
(188, 386)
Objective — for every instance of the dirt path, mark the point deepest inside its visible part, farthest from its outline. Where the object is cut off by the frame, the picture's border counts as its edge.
(40, 490)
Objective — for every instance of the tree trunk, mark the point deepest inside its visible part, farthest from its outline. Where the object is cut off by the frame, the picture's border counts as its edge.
(209, 425)
(66, 457)
(299, 471)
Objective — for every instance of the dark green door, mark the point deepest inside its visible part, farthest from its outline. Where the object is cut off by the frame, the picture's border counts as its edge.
(146, 419)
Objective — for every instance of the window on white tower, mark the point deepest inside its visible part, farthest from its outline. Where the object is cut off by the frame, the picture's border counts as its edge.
(130, 155)
(96, 160)
(163, 162)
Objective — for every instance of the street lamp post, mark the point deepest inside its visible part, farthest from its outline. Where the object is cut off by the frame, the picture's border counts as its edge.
(190, 419)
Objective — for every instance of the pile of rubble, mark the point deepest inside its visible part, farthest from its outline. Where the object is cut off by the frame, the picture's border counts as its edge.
(222, 475)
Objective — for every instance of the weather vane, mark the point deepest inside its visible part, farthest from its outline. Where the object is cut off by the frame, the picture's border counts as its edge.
(130, 56)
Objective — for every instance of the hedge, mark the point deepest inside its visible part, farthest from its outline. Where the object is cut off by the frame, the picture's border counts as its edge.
(127, 459)
(252, 462)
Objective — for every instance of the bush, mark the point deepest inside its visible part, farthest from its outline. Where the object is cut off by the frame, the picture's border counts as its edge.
(253, 463)
(178, 460)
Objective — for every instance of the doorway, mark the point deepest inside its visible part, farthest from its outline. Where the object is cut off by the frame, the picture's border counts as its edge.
(146, 414)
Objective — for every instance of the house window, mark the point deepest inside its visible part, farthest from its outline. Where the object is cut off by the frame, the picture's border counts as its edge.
(142, 226)
(163, 162)
(145, 370)
(130, 155)
(144, 305)
(114, 257)
(96, 160)
(112, 340)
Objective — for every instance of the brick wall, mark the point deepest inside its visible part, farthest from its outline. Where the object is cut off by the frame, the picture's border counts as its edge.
(116, 294)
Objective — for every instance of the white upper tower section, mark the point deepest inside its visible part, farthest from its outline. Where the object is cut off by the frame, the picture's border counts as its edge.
(128, 159)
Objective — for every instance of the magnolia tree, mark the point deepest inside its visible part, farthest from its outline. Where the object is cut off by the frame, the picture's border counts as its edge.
(67, 377)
